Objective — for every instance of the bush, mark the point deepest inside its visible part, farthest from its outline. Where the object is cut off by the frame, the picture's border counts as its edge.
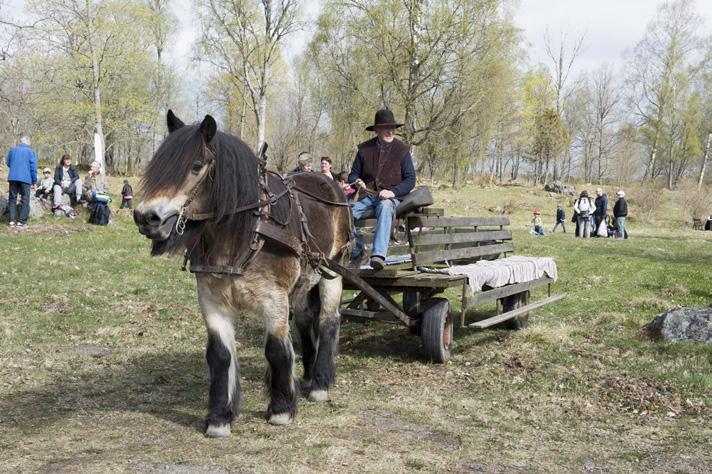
(647, 199)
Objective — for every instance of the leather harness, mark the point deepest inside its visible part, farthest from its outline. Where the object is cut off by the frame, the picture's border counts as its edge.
(266, 225)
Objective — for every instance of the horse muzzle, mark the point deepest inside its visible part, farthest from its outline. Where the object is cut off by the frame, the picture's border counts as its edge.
(155, 222)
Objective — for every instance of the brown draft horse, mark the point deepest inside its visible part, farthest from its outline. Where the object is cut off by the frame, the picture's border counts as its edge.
(207, 193)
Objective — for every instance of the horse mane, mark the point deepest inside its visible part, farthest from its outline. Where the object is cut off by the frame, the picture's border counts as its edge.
(233, 183)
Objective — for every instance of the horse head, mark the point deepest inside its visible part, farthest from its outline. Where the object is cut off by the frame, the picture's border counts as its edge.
(173, 183)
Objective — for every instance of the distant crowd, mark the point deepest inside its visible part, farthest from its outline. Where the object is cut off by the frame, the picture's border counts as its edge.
(63, 190)
(590, 216)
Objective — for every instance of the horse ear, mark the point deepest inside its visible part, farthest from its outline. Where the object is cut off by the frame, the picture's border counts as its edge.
(174, 123)
(208, 128)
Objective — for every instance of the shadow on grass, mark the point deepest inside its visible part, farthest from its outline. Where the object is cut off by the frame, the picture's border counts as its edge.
(172, 386)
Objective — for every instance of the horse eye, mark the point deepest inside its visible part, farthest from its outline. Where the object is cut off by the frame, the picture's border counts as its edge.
(197, 166)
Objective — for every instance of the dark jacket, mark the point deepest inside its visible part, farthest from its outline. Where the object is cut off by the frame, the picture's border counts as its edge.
(127, 190)
(22, 162)
(390, 167)
(601, 206)
(73, 174)
(620, 208)
(560, 215)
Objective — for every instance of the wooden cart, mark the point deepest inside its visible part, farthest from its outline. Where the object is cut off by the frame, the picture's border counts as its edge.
(428, 241)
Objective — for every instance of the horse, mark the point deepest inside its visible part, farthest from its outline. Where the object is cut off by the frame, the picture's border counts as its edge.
(255, 242)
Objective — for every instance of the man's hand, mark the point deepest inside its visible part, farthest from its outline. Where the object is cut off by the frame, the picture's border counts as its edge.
(386, 194)
(360, 184)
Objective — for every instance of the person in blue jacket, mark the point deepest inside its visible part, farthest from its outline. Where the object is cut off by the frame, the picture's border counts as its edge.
(22, 162)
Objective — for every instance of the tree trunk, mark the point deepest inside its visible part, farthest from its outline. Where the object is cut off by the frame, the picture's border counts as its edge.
(703, 165)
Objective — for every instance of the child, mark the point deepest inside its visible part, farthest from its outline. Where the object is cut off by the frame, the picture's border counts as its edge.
(126, 195)
(560, 219)
(348, 190)
(45, 186)
(537, 228)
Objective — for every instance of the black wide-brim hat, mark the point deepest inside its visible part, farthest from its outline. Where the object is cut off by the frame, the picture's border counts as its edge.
(384, 118)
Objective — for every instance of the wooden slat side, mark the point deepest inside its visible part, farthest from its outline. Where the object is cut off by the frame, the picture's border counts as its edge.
(422, 258)
(429, 221)
(426, 238)
(504, 291)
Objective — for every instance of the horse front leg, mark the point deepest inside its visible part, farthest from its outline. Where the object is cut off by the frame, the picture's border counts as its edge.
(224, 395)
(280, 358)
(324, 369)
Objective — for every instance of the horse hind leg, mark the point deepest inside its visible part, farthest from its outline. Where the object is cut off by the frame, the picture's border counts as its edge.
(305, 317)
(224, 395)
(280, 358)
(324, 370)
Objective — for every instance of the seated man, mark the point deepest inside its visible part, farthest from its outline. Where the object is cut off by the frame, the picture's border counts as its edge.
(66, 181)
(383, 173)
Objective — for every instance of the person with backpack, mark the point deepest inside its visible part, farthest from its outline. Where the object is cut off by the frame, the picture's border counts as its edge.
(620, 212)
(126, 195)
(584, 207)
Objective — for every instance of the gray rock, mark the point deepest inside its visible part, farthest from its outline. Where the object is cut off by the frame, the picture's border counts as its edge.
(38, 208)
(560, 188)
(682, 325)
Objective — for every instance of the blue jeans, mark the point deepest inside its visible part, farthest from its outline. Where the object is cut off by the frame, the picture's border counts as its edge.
(24, 190)
(620, 225)
(385, 209)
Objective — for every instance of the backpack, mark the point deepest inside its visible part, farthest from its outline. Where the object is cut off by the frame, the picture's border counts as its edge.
(100, 213)
(584, 205)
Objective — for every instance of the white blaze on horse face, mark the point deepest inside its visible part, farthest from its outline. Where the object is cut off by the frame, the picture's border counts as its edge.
(218, 319)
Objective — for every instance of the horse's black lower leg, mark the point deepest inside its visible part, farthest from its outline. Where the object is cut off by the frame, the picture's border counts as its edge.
(224, 395)
(305, 326)
(280, 377)
(324, 369)
(305, 319)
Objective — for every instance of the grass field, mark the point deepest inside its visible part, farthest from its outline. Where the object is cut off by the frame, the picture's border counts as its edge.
(102, 366)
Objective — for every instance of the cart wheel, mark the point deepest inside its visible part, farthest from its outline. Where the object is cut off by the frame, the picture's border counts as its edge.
(436, 330)
(513, 302)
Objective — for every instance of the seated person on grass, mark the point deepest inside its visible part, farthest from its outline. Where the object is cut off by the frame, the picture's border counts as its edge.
(94, 182)
(383, 173)
(44, 187)
(66, 181)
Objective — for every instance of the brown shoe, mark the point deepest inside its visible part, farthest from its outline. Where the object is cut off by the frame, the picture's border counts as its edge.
(378, 262)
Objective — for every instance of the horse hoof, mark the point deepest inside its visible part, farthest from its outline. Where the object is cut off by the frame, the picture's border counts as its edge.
(318, 396)
(280, 419)
(218, 431)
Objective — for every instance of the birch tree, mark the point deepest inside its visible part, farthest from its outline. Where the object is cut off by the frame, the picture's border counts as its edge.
(243, 39)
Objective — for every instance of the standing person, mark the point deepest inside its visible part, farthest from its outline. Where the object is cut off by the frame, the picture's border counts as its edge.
(126, 195)
(22, 175)
(560, 219)
(326, 167)
(584, 207)
(66, 180)
(620, 212)
(383, 173)
(601, 209)
(537, 228)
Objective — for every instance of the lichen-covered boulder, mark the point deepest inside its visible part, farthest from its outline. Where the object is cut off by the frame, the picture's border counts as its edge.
(38, 208)
(682, 325)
